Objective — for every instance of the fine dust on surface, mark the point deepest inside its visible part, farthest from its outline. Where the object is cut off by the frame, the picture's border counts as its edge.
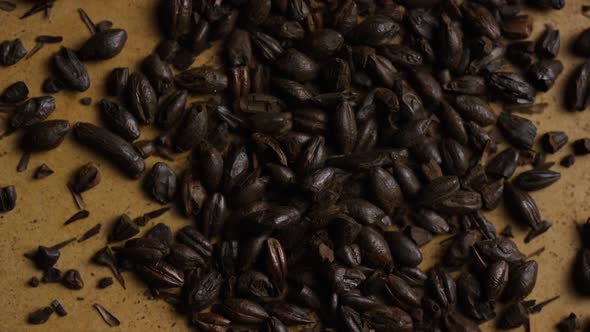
(43, 205)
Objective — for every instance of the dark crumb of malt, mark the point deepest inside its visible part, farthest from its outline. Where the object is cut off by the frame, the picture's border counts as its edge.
(40, 316)
(58, 308)
(568, 161)
(34, 282)
(86, 101)
(42, 172)
(51, 275)
(105, 282)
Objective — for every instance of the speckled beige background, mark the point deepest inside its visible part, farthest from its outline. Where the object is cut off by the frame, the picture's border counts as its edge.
(43, 205)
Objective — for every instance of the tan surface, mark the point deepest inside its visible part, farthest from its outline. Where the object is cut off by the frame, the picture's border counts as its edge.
(43, 205)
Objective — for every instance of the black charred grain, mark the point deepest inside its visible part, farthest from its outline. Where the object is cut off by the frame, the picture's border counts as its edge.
(111, 146)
